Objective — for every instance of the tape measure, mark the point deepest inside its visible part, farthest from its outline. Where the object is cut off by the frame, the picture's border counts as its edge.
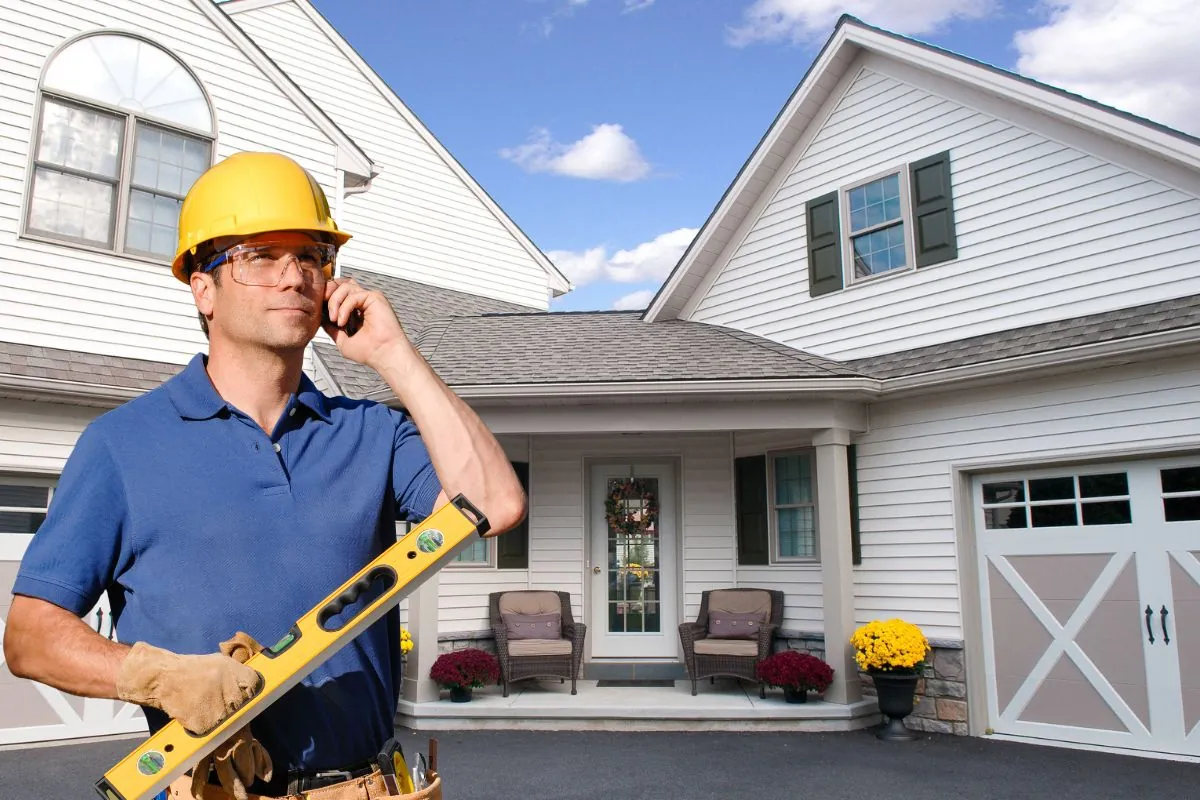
(316, 636)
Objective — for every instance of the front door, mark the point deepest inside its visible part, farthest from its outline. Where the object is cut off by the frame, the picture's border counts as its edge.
(631, 573)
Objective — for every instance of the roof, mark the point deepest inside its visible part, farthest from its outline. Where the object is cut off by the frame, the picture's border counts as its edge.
(71, 366)
(1092, 329)
(850, 37)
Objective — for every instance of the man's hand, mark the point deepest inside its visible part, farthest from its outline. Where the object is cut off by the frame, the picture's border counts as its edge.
(242, 759)
(198, 691)
(381, 330)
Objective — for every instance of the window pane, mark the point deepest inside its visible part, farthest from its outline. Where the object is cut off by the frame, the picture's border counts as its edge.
(797, 532)
(1053, 516)
(17, 522)
(1182, 479)
(1006, 492)
(1109, 512)
(72, 206)
(793, 479)
(153, 221)
(476, 553)
(875, 203)
(1181, 509)
(167, 162)
(1052, 489)
(1004, 517)
(879, 251)
(80, 139)
(1103, 485)
(24, 496)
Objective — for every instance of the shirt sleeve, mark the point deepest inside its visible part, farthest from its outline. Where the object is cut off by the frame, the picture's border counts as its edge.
(74, 555)
(414, 481)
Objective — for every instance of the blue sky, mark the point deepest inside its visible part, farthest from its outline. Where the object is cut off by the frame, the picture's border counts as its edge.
(608, 129)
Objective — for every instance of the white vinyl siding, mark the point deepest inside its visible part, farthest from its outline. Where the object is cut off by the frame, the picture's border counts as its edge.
(1045, 231)
(57, 295)
(419, 220)
(906, 498)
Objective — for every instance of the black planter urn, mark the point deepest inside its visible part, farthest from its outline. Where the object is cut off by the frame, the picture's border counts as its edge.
(896, 696)
(795, 695)
(460, 694)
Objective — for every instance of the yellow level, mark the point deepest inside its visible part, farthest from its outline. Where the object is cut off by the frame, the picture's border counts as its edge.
(316, 636)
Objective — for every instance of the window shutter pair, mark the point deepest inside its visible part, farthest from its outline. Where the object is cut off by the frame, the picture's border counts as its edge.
(512, 547)
(750, 493)
(932, 221)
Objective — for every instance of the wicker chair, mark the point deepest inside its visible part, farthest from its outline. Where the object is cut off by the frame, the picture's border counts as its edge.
(521, 659)
(736, 658)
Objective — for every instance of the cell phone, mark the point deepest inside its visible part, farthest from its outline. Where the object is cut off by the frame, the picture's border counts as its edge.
(352, 327)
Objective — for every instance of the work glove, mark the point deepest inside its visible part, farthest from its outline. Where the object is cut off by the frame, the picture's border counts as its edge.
(241, 759)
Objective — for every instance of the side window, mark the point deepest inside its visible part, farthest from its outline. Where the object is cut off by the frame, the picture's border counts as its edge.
(899, 220)
(124, 130)
(793, 495)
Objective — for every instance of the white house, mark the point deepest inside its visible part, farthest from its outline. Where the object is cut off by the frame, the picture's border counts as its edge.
(932, 355)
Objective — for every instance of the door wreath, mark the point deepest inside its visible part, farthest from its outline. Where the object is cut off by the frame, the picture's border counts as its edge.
(631, 507)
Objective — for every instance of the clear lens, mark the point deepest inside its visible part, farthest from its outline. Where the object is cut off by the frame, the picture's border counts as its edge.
(265, 263)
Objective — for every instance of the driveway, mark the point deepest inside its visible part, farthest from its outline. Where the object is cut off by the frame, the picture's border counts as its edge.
(535, 765)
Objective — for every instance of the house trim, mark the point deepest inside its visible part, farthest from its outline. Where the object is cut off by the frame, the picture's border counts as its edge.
(558, 282)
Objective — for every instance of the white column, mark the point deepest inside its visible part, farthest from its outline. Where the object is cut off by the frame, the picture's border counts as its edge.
(837, 572)
(418, 687)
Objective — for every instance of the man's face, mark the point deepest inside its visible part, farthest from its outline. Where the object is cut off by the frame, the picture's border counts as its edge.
(247, 310)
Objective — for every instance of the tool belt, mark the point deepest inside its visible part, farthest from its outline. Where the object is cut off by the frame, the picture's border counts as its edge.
(365, 787)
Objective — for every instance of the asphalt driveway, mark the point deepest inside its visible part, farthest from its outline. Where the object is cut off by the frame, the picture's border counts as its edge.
(535, 765)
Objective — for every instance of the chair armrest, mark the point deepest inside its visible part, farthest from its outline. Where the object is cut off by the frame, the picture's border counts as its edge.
(766, 638)
(501, 635)
(690, 632)
(574, 631)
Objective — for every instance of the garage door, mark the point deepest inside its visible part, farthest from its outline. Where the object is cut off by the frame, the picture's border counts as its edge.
(1091, 603)
(34, 712)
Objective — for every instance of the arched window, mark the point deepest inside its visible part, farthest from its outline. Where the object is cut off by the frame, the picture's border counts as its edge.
(124, 131)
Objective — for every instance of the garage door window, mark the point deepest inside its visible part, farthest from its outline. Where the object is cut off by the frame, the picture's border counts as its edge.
(1181, 494)
(22, 508)
(1059, 501)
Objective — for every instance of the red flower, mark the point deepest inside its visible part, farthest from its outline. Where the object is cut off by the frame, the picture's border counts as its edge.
(470, 668)
(792, 669)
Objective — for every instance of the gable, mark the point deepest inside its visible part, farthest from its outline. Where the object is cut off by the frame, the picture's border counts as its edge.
(424, 219)
(1044, 229)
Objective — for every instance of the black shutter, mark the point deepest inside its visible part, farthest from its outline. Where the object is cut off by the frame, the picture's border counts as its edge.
(750, 488)
(855, 539)
(512, 546)
(824, 245)
(933, 210)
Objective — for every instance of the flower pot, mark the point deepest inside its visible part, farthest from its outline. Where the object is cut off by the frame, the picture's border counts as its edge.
(460, 694)
(795, 695)
(896, 696)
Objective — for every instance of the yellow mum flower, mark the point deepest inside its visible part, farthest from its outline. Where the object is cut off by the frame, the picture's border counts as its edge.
(894, 645)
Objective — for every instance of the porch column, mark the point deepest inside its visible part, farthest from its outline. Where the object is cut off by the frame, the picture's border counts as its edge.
(418, 687)
(837, 573)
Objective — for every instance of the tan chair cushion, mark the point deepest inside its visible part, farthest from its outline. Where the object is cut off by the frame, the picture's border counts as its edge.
(726, 647)
(741, 602)
(525, 602)
(540, 647)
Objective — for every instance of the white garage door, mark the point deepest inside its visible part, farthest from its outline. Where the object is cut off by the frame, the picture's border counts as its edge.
(1091, 603)
(34, 712)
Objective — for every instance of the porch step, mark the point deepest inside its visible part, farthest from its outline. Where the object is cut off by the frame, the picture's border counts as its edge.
(634, 671)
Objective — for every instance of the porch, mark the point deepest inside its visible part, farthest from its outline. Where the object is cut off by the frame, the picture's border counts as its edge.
(727, 705)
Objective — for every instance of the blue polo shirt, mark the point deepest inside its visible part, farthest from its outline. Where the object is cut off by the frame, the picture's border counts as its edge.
(199, 524)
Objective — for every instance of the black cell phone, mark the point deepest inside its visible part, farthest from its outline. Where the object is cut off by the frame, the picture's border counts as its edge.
(352, 327)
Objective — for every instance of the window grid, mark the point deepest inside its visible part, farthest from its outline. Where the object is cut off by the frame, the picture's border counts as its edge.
(793, 493)
(1086, 504)
(876, 229)
(19, 513)
(1180, 493)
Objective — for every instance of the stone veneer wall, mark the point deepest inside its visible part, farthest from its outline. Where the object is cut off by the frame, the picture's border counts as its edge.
(941, 704)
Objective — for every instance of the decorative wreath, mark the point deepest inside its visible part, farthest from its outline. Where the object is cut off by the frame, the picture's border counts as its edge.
(631, 507)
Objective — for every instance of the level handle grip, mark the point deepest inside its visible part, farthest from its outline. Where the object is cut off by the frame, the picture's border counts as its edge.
(351, 592)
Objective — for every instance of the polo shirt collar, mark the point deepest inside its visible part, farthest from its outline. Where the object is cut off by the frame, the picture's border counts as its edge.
(196, 398)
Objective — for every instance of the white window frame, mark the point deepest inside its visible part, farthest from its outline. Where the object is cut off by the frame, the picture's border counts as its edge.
(772, 517)
(124, 178)
(906, 218)
(12, 545)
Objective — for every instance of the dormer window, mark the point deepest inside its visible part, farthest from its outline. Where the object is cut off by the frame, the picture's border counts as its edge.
(876, 214)
(124, 130)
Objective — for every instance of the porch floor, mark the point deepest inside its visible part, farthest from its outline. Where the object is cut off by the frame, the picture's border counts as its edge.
(729, 705)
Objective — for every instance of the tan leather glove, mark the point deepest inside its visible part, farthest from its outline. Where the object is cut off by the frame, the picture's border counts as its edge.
(241, 759)
(198, 691)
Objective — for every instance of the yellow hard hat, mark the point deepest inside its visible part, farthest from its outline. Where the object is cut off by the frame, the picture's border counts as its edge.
(251, 193)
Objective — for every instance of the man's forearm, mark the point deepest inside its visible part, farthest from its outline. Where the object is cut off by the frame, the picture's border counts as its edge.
(466, 455)
(51, 645)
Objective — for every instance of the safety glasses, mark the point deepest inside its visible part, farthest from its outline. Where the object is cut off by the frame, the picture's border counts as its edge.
(265, 263)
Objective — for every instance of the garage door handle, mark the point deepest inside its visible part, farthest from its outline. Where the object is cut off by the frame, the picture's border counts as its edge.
(1163, 619)
(1149, 619)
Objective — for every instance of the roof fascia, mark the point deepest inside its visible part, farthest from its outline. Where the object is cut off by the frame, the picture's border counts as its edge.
(559, 284)
(740, 191)
(351, 158)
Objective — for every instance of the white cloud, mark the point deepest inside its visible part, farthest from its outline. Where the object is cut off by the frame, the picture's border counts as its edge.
(801, 20)
(634, 302)
(1136, 55)
(649, 261)
(607, 153)
(636, 5)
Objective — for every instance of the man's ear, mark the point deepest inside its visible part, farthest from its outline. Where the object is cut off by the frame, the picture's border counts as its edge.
(203, 290)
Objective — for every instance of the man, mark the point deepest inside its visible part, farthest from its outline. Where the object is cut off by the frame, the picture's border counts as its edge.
(234, 497)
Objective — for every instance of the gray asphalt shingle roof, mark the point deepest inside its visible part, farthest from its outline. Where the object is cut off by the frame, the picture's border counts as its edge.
(75, 367)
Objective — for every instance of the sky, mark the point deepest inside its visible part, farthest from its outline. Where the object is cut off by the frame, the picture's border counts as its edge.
(609, 129)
